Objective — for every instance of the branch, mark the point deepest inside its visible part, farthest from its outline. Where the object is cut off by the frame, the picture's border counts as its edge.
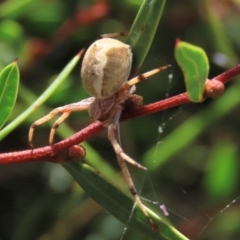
(67, 149)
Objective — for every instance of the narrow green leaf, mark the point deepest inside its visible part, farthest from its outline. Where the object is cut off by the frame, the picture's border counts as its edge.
(44, 96)
(195, 67)
(9, 81)
(221, 179)
(118, 204)
(143, 30)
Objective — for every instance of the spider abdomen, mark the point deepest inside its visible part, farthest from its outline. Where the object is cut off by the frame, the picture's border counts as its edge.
(106, 67)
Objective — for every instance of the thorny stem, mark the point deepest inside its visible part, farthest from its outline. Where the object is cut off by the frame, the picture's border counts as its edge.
(63, 148)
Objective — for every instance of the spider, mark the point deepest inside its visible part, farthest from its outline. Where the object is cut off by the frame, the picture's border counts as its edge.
(105, 70)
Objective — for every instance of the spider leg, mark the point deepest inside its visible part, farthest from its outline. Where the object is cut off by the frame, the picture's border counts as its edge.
(143, 76)
(118, 149)
(113, 136)
(65, 110)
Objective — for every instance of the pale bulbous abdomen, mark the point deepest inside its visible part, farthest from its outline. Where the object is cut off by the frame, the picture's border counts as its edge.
(106, 67)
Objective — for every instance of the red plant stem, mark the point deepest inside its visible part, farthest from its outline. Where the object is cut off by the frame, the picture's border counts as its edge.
(228, 75)
(158, 106)
(49, 153)
(52, 153)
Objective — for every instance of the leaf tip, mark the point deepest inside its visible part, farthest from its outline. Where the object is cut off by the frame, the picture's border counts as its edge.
(15, 60)
(80, 54)
(178, 41)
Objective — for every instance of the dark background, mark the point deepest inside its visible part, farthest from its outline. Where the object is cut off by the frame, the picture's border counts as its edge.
(197, 182)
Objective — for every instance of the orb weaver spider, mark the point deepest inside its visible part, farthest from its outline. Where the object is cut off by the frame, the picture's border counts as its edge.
(105, 70)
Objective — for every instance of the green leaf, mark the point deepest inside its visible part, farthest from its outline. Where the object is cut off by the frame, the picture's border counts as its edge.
(195, 67)
(221, 179)
(9, 81)
(143, 30)
(10, 31)
(15, 8)
(118, 204)
(44, 96)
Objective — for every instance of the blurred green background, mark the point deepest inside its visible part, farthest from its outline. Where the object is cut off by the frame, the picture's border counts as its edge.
(191, 151)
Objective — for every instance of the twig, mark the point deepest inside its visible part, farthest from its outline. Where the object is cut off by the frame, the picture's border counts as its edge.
(63, 150)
